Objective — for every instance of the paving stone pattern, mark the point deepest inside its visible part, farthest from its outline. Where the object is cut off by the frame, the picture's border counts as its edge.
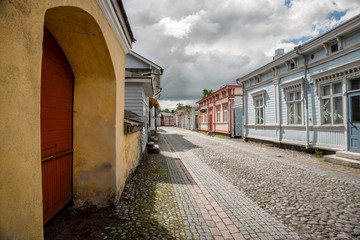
(148, 208)
(237, 212)
(202, 187)
(318, 200)
(220, 225)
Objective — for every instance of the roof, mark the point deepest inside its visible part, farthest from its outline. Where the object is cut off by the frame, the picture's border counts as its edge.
(127, 24)
(221, 89)
(115, 15)
(132, 126)
(129, 115)
(166, 114)
(130, 75)
(146, 60)
(311, 45)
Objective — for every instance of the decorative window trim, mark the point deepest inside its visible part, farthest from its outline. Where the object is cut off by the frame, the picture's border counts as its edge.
(331, 97)
(256, 96)
(294, 104)
(295, 85)
(349, 70)
(225, 115)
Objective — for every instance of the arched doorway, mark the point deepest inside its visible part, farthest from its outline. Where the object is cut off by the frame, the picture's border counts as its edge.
(56, 127)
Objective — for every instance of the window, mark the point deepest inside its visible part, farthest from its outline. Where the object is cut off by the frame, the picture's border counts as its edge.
(225, 113)
(294, 107)
(258, 101)
(292, 65)
(259, 111)
(331, 103)
(218, 114)
(334, 47)
(354, 84)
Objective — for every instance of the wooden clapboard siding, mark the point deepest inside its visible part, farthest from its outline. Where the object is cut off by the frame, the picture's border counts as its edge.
(135, 99)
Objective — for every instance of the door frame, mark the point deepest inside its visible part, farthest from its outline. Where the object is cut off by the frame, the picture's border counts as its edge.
(349, 96)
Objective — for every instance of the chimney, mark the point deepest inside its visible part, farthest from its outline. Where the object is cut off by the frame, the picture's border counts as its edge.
(278, 53)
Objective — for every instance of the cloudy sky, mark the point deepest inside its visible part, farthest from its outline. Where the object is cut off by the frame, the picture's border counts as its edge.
(209, 43)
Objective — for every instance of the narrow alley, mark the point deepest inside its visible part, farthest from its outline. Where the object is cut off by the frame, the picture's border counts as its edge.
(203, 187)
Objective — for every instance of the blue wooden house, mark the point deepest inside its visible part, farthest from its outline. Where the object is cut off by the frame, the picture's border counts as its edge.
(310, 96)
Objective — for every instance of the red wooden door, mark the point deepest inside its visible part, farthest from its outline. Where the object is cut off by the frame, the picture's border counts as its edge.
(56, 127)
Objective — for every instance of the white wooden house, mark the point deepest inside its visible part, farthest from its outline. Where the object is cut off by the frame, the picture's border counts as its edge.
(187, 118)
(142, 88)
(310, 96)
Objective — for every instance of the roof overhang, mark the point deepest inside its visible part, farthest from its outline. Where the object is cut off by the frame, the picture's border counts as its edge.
(116, 16)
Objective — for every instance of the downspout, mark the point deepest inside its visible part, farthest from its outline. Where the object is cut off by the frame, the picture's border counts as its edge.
(229, 109)
(243, 107)
(305, 97)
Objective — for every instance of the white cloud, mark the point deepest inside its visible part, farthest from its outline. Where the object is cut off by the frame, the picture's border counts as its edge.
(208, 43)
(181, 28)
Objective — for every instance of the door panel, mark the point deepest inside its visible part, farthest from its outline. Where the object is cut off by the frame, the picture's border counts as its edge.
(238, 122)
(354, 122)
(56, 128)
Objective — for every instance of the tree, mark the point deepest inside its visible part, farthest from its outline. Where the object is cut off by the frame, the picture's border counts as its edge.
(180, 106)
(206, 92)
(165, 110)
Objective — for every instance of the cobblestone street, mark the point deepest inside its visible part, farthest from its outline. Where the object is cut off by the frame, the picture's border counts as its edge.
(202, 187)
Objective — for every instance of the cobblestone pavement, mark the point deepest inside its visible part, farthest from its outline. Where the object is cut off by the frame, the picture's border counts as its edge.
(273, 189)
(202, 187)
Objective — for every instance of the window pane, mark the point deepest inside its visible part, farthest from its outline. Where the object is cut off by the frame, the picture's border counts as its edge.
(298, 116)
(326, 111)
(354, 84)
(291, 113)
(291, 96)
(337, 88)
(338, 110)
(261, 116)
(326, 90)
(355, 112)
(298, 95)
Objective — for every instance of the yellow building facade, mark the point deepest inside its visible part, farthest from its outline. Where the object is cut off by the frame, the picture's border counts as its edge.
(94, 36)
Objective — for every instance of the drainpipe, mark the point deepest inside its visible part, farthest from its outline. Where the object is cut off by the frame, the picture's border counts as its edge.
(305, 98)
(243, 110)
(229, 109)
(243, 107)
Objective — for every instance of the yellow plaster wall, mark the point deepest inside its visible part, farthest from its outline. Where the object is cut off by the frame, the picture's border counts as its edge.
(97, 61)
(133, 156)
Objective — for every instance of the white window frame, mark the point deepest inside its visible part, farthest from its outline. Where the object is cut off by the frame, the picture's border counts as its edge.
(218, 113)
(295, 104)
(225, 113)
(293, 86)
(331, 98)
(257, 96)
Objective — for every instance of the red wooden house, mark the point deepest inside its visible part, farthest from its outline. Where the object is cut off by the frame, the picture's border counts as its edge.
(167, 119)
(217, 111)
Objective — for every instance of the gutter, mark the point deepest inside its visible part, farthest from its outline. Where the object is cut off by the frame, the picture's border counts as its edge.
(305, 97)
